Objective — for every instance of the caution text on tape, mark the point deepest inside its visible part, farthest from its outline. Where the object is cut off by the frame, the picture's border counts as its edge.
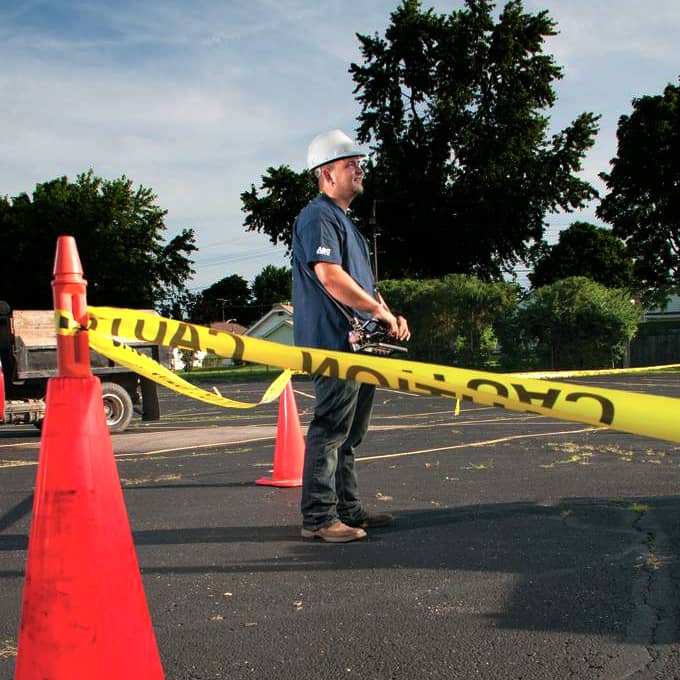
(643, 414)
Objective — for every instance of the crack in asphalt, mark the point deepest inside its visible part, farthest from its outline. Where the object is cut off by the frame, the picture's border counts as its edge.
(654, 621)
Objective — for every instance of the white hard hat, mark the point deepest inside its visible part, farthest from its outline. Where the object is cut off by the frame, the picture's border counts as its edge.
(331, 146)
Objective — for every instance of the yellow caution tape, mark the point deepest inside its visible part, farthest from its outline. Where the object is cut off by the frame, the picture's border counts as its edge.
(128, 356)
(66, 324)
(642, 414)
(606, 371)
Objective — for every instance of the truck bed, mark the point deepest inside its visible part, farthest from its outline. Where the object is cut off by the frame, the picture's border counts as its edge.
(35, 345)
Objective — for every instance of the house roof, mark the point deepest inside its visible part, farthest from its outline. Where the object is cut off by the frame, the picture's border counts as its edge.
(278, 314)
(229, 326)
(671, 312)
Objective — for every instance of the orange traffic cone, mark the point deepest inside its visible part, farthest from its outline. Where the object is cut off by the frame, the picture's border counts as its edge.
(289, 450)
(84, 612)
(2, 394)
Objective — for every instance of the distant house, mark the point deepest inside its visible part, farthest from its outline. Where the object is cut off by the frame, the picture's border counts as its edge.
(185, 359)
(671, 312)
(276, 325)
(212, 361)
(658, 338)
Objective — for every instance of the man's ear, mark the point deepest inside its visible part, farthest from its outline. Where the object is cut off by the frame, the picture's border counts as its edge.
(326, 174)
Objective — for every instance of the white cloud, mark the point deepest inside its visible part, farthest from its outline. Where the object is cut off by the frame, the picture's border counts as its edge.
(196, 99)
(197, 147)
(93, 116)
(589, 31)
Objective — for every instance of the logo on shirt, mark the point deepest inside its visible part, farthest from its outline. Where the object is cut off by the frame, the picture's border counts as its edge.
(322, 250)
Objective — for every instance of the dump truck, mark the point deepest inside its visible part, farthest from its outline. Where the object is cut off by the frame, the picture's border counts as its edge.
(28, 357)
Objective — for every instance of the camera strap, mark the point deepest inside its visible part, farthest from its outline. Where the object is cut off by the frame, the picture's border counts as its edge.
(344, 309)
(361, 337)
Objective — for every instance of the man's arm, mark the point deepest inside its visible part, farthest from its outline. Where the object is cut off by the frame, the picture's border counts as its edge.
(345, 289)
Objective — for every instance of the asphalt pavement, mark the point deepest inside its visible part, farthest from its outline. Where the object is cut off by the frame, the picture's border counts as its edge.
(524, 547)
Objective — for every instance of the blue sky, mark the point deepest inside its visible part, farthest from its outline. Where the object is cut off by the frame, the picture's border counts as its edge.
(196, 100)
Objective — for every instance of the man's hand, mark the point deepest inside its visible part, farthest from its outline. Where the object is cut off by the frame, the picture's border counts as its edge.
(397, 325)
(403, 332)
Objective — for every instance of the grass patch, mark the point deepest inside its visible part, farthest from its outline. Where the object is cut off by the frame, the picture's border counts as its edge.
(7, 648)
(150, 480)
(580, 458)
(479, 466)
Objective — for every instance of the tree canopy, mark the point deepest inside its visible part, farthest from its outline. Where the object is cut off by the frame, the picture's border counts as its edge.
(271, 286)
(228, 299)
(643, 201)
(455, 108)
(585, 249)
(232, 298)
(119, 232)
(285, 193)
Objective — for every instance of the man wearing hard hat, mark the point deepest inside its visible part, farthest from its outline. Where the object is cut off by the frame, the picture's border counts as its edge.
(332, 282)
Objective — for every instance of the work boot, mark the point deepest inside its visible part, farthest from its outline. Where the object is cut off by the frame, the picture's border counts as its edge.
(371, 520)
(335, 533)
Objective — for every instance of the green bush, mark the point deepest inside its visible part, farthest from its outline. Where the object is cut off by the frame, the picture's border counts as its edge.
(453, 319)
(573, 323)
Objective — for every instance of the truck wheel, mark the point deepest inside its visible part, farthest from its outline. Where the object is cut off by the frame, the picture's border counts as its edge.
(117, 406)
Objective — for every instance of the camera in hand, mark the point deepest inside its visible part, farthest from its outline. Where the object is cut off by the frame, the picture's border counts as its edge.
(370, 337)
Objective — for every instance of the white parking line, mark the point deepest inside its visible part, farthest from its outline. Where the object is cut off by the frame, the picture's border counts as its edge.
(194, 446)
(488, 442)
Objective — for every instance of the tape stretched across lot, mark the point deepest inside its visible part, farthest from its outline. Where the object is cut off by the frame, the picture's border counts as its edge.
(642, 414)
(128, 356)
(591, 373)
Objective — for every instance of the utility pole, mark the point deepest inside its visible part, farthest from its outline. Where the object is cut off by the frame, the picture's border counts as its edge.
(372, 221)
(222, 301)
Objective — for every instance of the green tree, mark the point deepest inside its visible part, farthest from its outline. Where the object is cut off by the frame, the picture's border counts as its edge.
(585, 250)
(271, 286)
(456, 109)
(178, 304)
(284, 194)
(119, 231)
(643, 201)
(574, 323)
(227, 299)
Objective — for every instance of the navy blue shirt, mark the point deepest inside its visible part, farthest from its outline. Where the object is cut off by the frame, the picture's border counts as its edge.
(323, 233)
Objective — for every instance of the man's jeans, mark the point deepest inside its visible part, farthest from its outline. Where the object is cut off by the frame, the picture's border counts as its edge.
(329, 485)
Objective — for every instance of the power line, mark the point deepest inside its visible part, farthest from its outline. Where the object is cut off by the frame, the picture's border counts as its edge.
(226, 259)
(229, 241)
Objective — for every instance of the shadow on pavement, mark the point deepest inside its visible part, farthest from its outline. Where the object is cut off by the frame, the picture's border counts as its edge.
(586, 565)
